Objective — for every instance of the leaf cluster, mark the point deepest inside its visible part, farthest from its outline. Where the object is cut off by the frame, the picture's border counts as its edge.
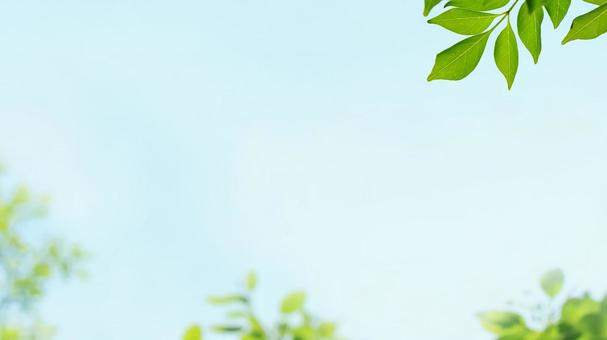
(577, 318)
(28, 263)
(295, 322)
(479, 19)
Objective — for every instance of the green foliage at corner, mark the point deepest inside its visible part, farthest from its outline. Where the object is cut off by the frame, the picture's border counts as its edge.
(479, 19)
(28, 263)
(295, 321)
(572, 318)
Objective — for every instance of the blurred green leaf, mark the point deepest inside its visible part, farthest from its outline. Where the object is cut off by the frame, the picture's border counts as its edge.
(552, 282)
(227, 328)
(194, 332)
(293, 302)
(577, 308)
(503, 323)
(226, 299)
(251, 281)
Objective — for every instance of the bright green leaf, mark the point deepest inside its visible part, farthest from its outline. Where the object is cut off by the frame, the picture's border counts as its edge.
(597, 2)
(503, 323)
(557, 10)
(529, 25)
(193, 333)
(429, 5)
(459, 60)
(506, 54)
(251, 281)
(552, 282)
(478, 5)
(464, 21)
(589, 25)
(577, 308)
(293, 302)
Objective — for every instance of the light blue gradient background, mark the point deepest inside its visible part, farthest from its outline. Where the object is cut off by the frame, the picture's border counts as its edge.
(186, 142)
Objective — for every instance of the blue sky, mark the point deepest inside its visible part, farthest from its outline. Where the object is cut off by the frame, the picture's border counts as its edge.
(186, 142)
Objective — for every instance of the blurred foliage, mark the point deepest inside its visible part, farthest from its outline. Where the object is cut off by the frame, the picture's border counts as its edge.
(28, 263)
(295, 322)
(557, 318)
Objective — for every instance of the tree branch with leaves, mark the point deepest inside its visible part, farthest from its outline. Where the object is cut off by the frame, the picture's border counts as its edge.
(479, 19)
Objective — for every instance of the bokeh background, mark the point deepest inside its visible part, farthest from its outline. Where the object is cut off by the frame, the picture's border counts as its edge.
(187, 142)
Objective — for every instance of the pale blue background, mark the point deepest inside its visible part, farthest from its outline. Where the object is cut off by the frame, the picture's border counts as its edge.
(186, 142)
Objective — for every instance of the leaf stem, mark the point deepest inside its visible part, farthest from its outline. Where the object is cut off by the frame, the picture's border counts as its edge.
(505, 15)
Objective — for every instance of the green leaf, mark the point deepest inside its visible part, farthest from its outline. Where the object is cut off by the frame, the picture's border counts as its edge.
(227, 329)
(503, 323)
(193, 333)
(226, 299)
(575, 309)
(557, 10)
(595, 324)
(251, 281)
(293, 302)
(589, 25)
(529, 25)
(506, 54)
(429, 5)
(464, 21)
(478, 5)
(459, 60)
(535, 4)
(597, 2)
(552, 282)
(327, 329)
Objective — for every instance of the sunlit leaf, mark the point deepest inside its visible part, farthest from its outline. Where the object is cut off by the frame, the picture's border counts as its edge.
(464, 21)
(588, 26)
(557, 10)
(194, 332)
(429, 5)
(293, 302)
(478, 5)
(459, 60)
(506, 54)
(529, 23)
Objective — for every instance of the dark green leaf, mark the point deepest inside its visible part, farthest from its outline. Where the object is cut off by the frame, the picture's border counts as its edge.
(226, 329)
